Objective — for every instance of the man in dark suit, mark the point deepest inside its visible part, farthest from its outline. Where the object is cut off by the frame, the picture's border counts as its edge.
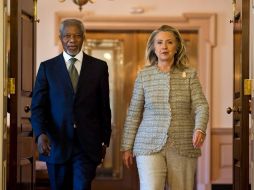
(71, 115)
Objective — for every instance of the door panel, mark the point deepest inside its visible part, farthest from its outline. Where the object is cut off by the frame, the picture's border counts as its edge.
(27, 53)
(22, 69)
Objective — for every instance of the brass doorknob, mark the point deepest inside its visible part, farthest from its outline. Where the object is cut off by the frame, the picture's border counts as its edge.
(27, 109)
(230, 110)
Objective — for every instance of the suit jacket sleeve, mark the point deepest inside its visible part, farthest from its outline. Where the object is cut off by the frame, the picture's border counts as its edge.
(134, 115)
(40, 103)
(105, 106)
(199, 103)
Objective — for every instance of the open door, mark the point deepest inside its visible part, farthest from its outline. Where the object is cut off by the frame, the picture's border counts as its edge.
(21, 173)
(240, 108)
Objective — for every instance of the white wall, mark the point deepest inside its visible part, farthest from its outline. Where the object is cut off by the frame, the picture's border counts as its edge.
(222, 68)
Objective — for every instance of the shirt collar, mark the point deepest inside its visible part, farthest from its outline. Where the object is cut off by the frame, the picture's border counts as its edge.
(79, 56)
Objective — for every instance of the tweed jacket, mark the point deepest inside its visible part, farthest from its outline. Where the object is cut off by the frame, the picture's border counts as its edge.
(165, 106)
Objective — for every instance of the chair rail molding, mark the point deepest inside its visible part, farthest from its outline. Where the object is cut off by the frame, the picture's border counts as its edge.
(202, 23)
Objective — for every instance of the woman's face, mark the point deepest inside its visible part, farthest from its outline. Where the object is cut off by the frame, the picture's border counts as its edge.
(165, 46)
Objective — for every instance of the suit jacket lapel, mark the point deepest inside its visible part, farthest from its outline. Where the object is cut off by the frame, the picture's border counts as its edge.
(84, 72)
(63, 72)
(85, 63)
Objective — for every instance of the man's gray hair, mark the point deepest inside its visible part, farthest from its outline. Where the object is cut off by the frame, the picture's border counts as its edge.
(71, 22)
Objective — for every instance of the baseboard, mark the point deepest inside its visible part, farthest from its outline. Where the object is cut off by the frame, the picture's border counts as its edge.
(224, 187)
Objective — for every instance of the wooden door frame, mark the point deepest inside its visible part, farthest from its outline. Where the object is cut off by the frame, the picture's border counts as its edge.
(252, 95)
(3, 99)
(244, 20)
(13, 99)
(245, 99)
(203, 23)
(1, 89)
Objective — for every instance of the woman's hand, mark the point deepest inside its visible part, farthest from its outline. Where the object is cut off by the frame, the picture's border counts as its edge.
(127, 158)
(198, 139)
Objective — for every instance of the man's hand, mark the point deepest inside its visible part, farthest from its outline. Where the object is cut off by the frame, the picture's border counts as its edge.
(103, 153)
(43, 145)
(128, 158)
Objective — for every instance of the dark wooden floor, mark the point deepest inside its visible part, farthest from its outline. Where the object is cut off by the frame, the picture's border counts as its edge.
(224, 187)
(214, 187)
(42, 188)
(42, 185)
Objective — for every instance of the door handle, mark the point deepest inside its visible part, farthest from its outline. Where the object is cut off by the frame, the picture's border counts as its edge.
(234, 109)
(27, 109)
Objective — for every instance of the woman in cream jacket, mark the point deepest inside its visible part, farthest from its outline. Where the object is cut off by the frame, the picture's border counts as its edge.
(167, 117)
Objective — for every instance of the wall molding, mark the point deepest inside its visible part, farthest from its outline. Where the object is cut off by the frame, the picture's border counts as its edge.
(222, 151)
(222, 155)
(222, 131)
(202, 23)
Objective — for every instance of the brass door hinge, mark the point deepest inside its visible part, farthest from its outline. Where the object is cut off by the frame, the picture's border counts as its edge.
(11, 85)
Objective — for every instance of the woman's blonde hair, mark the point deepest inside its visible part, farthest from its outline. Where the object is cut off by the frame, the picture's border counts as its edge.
(180, 58)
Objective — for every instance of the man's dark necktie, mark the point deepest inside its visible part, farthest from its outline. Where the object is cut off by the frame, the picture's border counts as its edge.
(73, 73)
